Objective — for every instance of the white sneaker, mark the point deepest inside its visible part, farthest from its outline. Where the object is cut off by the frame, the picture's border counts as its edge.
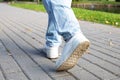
(72, 51)
(51, 52)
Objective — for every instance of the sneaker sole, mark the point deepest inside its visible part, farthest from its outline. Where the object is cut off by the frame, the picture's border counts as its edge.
(74, 57)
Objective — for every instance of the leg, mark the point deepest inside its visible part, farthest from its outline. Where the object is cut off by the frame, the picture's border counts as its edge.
(53, 39)
(68, 27)
(67, 24)
(52, 36)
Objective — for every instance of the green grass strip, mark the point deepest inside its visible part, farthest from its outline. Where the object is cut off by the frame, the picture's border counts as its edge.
(97, 16)
(82, 14)
(98, 2)
(33, 6)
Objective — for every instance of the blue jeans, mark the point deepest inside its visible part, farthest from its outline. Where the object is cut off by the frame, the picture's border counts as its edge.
(61, 22)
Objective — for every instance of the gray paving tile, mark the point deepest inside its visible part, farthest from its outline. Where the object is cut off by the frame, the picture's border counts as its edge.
(9, 66)
(1, 75)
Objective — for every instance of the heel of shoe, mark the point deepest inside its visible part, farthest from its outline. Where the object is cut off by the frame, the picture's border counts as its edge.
(52, 52)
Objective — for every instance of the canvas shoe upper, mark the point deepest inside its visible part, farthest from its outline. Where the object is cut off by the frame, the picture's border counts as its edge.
(72, 51)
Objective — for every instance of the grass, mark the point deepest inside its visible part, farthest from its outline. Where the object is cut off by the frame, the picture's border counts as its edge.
(30, 6)
(97, 16)
(81, 14)
(97, 2)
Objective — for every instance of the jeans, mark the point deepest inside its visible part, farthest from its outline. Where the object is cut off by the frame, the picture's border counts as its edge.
(61, 22)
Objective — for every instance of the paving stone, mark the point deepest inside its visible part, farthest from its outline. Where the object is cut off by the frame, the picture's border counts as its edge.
(30, 68)
(103, 64)
(64, 78)
(9, 66)
(82, 74)
(1, 75)
(96, 70)
(104, 57)
(116, 79)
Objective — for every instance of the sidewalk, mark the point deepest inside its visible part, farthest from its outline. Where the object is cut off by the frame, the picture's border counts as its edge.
(22, 37)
